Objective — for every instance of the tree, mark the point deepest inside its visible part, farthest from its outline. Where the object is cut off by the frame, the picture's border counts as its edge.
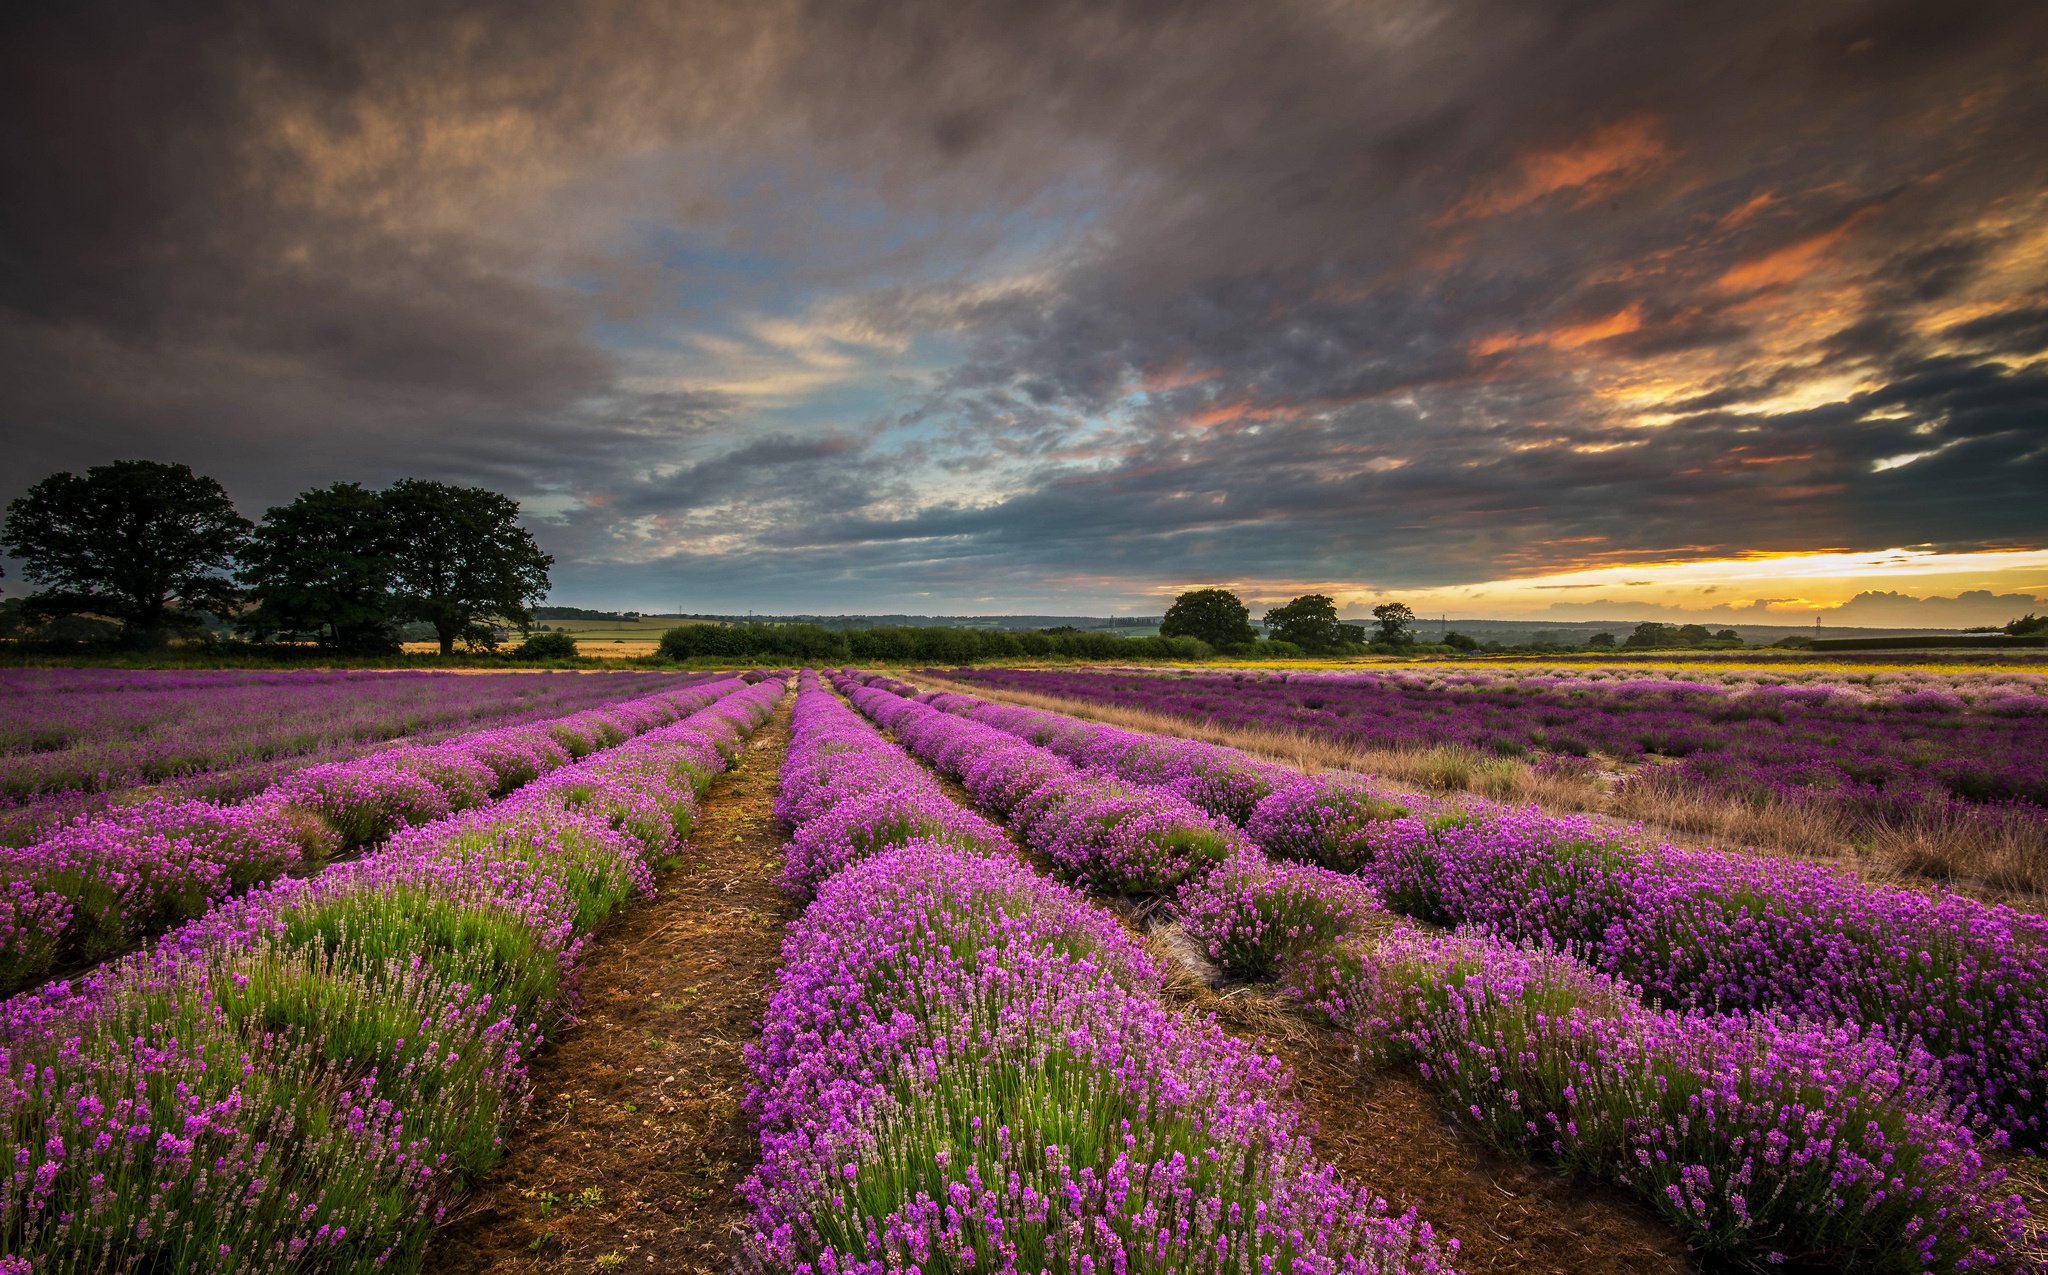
(1309, 622)
(1693, 634)
(139, 541)
(1727, 635)
(321, 568)
(2027, 625)
(460, 557)
(1651, 633)
(1213, 615)
(1459, 642)
(1605, 640)
(1396, 624)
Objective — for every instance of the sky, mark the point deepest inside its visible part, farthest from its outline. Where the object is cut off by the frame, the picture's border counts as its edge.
(1518, 308)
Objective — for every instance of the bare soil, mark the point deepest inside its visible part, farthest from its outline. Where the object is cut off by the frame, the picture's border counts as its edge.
(636, 1144)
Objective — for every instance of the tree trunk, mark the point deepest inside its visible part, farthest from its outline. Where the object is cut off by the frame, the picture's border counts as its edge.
(447, 635)
(146, 630)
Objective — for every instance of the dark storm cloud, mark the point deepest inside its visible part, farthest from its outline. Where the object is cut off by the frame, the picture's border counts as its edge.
(1306, 291)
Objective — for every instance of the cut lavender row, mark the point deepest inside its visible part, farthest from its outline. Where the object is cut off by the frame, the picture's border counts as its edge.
(1760, 1138)
(303, 1078)
(967, 1067)
(96, 885)
(1963, 980)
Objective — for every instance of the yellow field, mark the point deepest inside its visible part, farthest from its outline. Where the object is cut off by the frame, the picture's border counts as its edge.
(601, 648)
(603, 639)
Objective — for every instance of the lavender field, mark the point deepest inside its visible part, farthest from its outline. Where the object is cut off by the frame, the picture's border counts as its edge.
(306, 1067)
(1948, 771)
(315, 1024)
(69, 734)
(1776, 1060)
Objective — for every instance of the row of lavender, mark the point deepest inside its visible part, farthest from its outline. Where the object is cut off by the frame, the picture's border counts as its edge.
(73, 738)
(302, 1079)
(97, 883)
(1966, 981)
(1761, 1137)
(967, 1067)
(1917, 757)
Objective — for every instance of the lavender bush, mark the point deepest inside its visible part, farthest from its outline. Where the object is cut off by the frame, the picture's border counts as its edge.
(850, 794)
(1876, 756)
(302, 1078)
(1763, 1138)
(1965, 981)
(1760, 1139)
(227, 734)
(966, 1067)
(97, 884)
(1103, 833)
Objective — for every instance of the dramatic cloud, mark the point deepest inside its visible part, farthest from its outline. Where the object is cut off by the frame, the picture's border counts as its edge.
(835, 306)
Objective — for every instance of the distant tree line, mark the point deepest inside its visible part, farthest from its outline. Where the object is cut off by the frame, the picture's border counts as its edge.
(583, 613)
(907, 643)
(1309, 625)
(156, 550)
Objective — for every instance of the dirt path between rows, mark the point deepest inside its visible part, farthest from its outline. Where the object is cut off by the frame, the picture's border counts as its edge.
(1384, 1129)
(1387, 1130)
(636, 1143)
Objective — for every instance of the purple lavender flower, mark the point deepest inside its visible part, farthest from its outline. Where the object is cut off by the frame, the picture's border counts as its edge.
(309, 1072)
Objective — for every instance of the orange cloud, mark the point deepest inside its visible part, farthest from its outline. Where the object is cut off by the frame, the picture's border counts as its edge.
(1784, 265)
(1605, 161)
(1749, 208)
(1570, 336)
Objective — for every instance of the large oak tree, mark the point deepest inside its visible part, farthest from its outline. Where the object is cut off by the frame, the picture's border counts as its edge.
(1310, 622)
(322, 568)
(1216, 616)
(461, 559)
(138, 541)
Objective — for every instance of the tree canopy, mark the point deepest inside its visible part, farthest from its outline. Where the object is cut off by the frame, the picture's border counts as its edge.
(322, 568)
(461, 558)
(1395, 624)
(1309, 622)
(1215, 616)
(142, 542)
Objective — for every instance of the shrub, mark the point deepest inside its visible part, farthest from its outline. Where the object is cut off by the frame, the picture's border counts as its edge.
(546, 646)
